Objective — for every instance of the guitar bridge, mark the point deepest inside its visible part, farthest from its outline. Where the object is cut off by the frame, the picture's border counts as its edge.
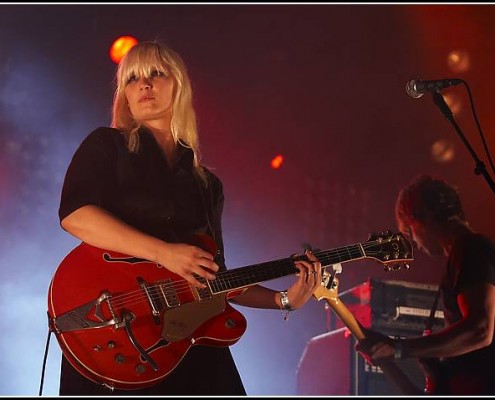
(77, 318)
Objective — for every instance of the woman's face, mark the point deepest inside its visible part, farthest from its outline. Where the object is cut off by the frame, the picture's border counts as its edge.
(150, 98)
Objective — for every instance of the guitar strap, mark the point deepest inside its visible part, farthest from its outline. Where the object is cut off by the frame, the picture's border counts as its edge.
(212, 219)
(210, 214)
(431, 318)
(431, 366)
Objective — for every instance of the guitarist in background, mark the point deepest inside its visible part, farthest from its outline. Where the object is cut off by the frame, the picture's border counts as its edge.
(429, 210)
(138, 188)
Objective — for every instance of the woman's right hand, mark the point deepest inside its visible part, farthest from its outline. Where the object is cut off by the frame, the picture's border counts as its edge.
(188, 261)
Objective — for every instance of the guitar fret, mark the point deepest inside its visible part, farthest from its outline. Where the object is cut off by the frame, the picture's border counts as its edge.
(335, 256)
(246, 276)
(250, 275)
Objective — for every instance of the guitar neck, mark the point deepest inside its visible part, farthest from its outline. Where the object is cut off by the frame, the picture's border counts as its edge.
(389, 368)
(347, 318)
(256, 273)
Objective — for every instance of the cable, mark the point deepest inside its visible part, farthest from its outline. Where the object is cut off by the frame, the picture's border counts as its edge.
(45, 357)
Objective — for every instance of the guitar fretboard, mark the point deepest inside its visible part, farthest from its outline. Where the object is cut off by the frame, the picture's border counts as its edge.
(256, 273)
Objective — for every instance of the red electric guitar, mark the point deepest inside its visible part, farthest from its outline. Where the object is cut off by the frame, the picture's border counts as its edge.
(126, 323)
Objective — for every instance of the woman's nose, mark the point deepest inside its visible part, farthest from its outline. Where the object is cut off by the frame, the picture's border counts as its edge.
(144, 82)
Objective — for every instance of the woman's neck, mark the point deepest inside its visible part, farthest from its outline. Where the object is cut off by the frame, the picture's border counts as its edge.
(165, 140)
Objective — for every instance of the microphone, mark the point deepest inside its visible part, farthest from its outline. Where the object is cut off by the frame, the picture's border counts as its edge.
(416, 88)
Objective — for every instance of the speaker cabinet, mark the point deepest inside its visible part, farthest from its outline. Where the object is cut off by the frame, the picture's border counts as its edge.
(330, 366)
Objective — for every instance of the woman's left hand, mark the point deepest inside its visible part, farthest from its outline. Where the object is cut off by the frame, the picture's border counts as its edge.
(309, 279)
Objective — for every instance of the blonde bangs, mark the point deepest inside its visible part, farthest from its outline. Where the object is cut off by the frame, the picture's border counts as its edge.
(141, 63)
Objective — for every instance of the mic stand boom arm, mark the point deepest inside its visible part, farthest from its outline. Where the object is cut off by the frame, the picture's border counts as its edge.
(480, 168)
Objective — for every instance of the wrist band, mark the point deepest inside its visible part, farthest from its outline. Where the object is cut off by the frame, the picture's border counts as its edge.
(284, 300)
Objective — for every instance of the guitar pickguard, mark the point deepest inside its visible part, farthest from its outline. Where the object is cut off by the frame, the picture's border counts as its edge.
(179, 323)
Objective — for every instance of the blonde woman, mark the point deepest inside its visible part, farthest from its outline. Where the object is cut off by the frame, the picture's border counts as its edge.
(139, 188)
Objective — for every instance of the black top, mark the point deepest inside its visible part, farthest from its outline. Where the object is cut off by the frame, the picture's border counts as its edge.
(168, 203)
(139, 188)
(471, 261)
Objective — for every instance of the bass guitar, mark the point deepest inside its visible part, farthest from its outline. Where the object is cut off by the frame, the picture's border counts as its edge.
(328, 290)
(126, 322)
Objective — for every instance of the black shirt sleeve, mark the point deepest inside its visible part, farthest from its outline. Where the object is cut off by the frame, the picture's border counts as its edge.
(90, 173)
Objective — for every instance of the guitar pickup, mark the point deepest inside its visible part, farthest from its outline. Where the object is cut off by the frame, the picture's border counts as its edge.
(169, 293)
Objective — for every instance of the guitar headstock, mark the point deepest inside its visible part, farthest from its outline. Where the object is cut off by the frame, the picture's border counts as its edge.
(392, 250)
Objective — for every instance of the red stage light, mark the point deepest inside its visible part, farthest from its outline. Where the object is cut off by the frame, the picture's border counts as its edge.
(277, 162)
(120, 47)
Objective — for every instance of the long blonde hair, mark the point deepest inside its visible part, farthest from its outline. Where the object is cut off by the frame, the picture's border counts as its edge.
(141, 60)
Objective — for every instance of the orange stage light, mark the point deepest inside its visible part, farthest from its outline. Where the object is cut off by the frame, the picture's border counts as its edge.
(120, 47)
(277, 162)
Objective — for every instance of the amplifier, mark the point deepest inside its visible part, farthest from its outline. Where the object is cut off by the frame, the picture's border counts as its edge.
(329, 364)
(392, 306)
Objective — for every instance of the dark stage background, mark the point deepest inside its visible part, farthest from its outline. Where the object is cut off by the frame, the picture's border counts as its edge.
(323, 85)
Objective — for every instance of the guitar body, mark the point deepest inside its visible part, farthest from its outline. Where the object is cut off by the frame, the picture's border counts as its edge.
(105, 307)
(444, 381)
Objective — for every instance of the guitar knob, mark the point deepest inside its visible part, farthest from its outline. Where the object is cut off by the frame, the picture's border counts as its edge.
(140, 369)
(111, 344)
(119, 358)
(229, 323)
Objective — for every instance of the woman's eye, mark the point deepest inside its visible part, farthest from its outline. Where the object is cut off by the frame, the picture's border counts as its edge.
(132, 78)
(155, 73)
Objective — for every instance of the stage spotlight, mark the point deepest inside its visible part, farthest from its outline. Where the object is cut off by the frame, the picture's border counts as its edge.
(120, 47)
(458, 61)
(443, 151)
(277, 161)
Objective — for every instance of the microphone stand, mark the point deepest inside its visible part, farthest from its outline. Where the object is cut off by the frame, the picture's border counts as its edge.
(480, 168)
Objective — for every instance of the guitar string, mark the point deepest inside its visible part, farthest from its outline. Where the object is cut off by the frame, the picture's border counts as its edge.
(179, 288)
(232, 276)
(183, 286)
